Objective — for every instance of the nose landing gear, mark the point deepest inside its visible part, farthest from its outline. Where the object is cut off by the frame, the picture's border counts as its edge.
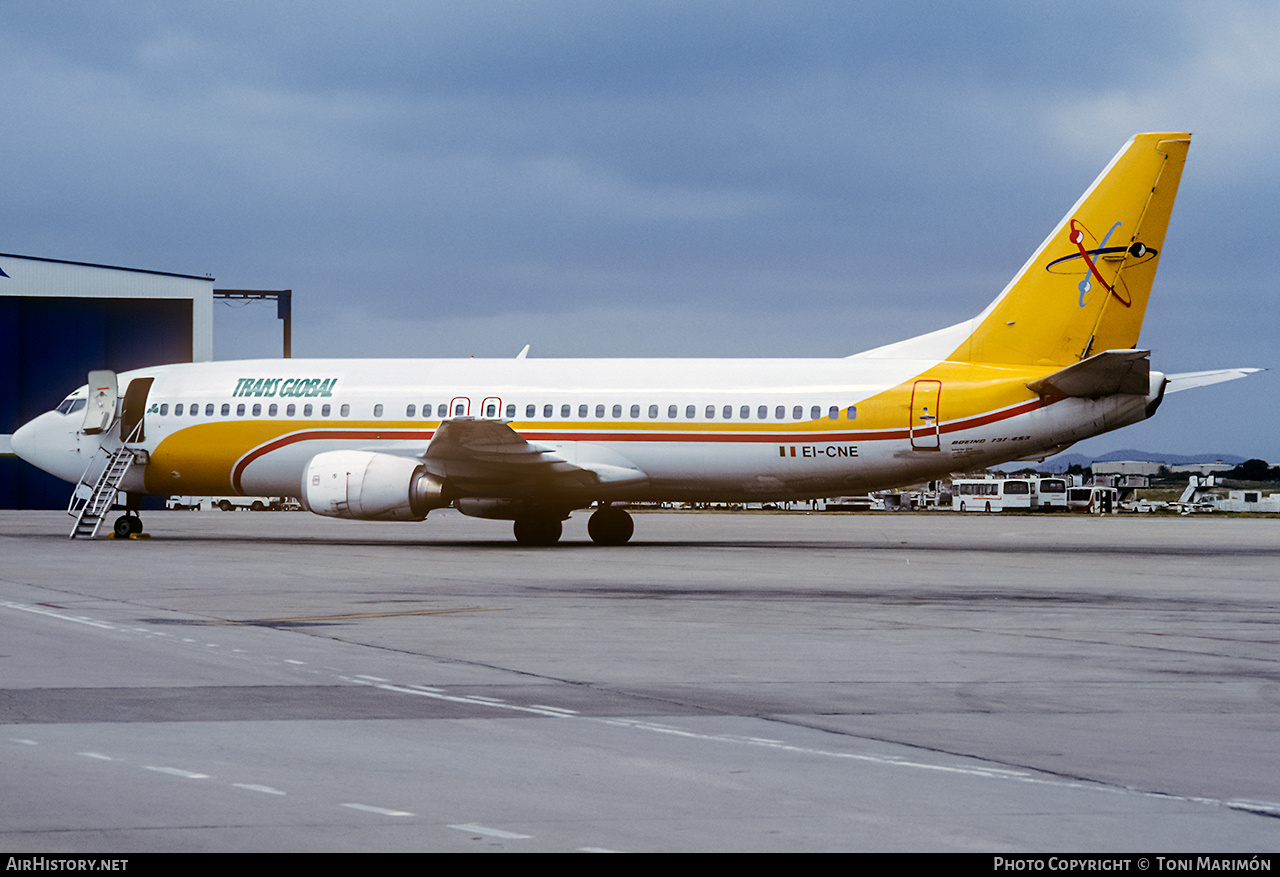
(128, 524)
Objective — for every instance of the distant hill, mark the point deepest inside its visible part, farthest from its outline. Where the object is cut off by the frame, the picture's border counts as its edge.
(1062, 461)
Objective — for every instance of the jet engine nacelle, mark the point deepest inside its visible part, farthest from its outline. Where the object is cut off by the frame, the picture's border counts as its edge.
(365, 486)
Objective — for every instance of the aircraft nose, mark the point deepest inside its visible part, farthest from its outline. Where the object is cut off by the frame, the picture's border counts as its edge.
(48, 444)
(24, 441)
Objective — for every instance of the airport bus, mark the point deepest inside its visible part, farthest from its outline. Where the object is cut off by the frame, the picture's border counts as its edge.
(1093, 499)
(1051, 493)
(992, 494)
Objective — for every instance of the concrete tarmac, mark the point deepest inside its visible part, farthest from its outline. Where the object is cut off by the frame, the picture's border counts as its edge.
(280, 681)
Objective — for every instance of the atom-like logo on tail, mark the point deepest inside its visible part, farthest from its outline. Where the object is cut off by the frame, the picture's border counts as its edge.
(1076, 235)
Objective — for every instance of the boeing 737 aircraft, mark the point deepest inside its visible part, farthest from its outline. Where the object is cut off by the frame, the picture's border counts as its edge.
(1051, 361)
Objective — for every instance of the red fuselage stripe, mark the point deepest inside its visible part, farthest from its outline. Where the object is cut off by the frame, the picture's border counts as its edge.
(393, 434)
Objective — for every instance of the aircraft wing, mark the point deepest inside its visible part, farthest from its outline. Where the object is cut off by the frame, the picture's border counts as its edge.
(1188, 380)
(1103, 374)
(488, 457)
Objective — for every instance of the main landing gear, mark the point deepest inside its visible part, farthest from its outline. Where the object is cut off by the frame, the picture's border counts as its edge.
(606, 526)
(538, 530)
(610, 526)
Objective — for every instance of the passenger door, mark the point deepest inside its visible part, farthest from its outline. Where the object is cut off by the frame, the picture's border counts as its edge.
(135, 407)
(100, 409)
(925, 427)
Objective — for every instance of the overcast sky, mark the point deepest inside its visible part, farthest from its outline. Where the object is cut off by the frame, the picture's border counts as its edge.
(650, 179)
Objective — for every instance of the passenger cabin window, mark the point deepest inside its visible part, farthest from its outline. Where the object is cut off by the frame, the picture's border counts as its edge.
(635, 412)
(815, 412)
(459, 409)
(306, 410)
(797, 413)
(411, 411)
(325, 409)
(745, 412)
(711, 412)
(257, 409)
(164, 409)
(653, 411)
(548, 410)
(530, 410)
(271, 412)
(564, 410)
(511, 409)
(291, 410)
(852, 412)
(226, 409)
(617, 411)
(240, 410)
(672, 412)
(691, 411)
(442, 410)
(833, 413)
(582, 410)
(345, 410)
(177, 410)
(762, 413)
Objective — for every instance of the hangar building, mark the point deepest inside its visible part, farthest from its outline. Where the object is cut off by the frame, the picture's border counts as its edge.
(60, 319)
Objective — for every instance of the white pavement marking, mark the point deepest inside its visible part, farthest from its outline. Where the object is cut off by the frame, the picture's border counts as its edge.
(179, 772)
(381, 811)
(477, 701)
(40, 610)
(1269, 807)
(491, 832)
(983, 771)
(252, 787)
(97, 755)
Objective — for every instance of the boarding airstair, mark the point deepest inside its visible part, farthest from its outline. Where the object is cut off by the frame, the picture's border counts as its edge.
(93, 497)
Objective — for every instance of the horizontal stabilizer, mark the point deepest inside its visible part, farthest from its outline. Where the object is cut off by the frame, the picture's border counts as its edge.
(1188, 380)
(1104, 374)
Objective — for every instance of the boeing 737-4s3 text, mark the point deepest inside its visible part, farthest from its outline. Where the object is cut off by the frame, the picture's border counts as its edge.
(1051, 361)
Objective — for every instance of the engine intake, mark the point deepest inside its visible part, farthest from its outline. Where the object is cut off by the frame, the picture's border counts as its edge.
(364, 486)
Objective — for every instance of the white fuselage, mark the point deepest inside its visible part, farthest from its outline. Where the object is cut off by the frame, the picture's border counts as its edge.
(699, 429)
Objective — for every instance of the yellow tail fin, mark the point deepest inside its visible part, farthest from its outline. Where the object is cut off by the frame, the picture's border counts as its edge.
(1086, 288)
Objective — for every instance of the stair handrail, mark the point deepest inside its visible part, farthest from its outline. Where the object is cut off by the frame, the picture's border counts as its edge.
(73, 508)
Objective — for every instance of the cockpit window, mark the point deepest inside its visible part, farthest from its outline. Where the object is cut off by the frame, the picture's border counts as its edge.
(70, 406)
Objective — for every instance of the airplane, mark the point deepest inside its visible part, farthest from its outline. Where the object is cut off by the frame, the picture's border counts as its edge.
(1051, 361)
